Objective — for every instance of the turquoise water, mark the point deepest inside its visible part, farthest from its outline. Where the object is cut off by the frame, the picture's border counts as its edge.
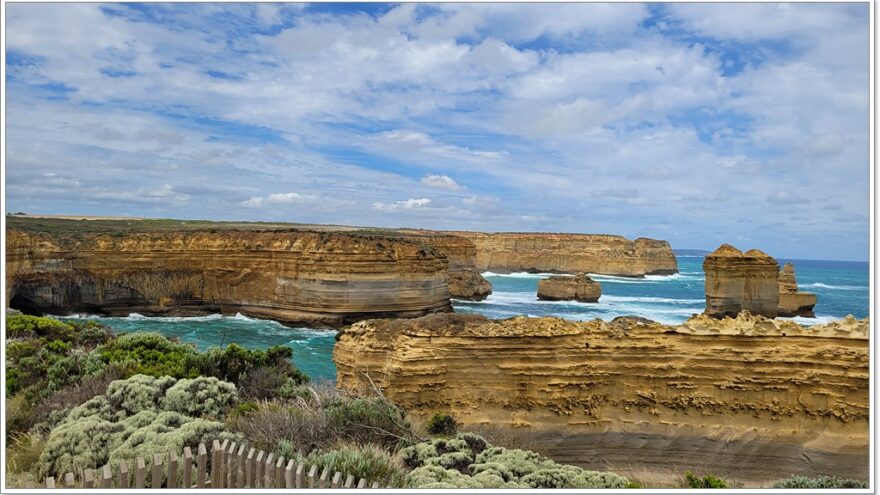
(841, 288)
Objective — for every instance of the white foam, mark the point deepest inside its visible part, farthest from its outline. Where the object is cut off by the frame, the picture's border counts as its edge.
(663, 300)
(522, 275)
(834, 287)
(808, 322)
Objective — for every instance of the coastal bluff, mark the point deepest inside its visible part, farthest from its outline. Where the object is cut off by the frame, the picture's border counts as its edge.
(569, 288)
(748, 396)
(792, 302)
(508, 252)
(297, 277)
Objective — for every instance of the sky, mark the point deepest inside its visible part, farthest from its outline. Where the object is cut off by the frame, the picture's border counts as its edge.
(695, 123)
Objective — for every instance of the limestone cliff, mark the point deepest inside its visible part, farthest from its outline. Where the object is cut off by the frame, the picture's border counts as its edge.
(737, 281)
(792, 302)
(465, 281)
(758, 398)
(571, 253)
(293, 276)
(577, 288)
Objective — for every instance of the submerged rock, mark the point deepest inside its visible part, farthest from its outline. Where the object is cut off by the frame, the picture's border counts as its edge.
(578, 288)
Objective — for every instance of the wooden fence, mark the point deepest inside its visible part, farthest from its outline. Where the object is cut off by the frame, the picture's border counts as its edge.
(232, 465)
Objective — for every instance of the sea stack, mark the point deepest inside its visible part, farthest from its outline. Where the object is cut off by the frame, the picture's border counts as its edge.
(737, 281)
(791, 301)
(578, 288)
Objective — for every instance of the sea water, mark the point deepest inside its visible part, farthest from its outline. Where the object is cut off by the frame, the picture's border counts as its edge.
(842, 288)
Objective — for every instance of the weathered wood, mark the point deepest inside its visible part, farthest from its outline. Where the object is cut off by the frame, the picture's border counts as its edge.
(50, 482)
(224, 462)
(106, 476)
(259, 470)
(268, 471)
(300, 476)
(249, 466)
(337, 480)
(69, 481)
(362, 483)
(229, 465)
(288, 475)
(156, 478)
(187, 467)
(279, 472)
(216, 463)
(325, 475)
(242, 462)
(375, 485)
(88, 479)
(349, 482)
(172, 470)
(140, 468)
(202, 464)
(313, 476)
(123, 475)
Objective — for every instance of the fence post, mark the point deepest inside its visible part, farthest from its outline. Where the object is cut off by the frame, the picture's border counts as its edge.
(216, 462)
(325, 474)
(375, 485)
(123, 475)
(313, 476)
(87, 478)
(156, 481)
(362, 483)
(268, 470)
(249, 468)
(106, 477)
(203, 464)
(187, 467)
(50, 482)
(224, 463)
(69, 481)
(229, 455)
(242, 463)
(279, 472)
(300, 476)
(349, 481)
(337, 480)
(288, 475)
(259, 470)
(139, 473)
(172, 469)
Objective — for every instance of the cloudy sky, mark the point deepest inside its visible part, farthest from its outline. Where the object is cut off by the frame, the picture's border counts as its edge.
(695, 123)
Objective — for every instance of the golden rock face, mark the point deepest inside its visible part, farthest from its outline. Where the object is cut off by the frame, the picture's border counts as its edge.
(792, 302)
(297, 277)
(562, 288)
(724, 394)
(571, 253)
(737, 281)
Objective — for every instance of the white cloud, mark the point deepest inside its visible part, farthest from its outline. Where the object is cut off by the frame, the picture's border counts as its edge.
(409, 204)
(442, 182)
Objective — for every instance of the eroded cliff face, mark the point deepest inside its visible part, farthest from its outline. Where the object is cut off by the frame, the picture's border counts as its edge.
(562, 288)
(792, 302)
(571, 253)
(465, 281)
(296, 277)
(737, 281)
(724, 396)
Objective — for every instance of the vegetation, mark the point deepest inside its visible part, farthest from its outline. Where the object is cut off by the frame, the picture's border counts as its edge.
(441, 424)
(821, 481)
(468, 461)
(366, 461)
(707, 481)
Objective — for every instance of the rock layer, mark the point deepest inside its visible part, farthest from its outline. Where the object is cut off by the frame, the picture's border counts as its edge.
(792, 302)
(737, 281)
(465, 281)
(571, 253)
(758, 398)
(578, 288)
(296, 277)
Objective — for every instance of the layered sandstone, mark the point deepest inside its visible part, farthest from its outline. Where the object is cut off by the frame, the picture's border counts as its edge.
(792, 302)
(737, 281)
(577, 288)
(749, 397)
(571, 253)
(293, 276)
(465, 281)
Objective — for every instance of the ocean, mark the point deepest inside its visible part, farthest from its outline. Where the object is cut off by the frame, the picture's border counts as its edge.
(842, 288)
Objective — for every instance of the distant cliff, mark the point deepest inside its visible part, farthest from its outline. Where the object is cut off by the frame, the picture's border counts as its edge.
(722, 395)
(465, 281)
(571, 253)
(293, 276)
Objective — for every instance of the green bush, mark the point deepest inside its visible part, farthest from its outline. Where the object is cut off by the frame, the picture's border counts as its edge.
(154, 354)
(707, 481)
(441, 424)
(367, 461)
(821, 481)
(367, 420)
(468, 461)
(33, 327)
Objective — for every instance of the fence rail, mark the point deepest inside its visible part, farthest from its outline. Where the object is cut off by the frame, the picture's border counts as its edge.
(232, 465)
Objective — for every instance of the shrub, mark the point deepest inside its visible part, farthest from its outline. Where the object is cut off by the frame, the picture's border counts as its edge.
(821, 481)
(202, 396)
(23, 453)
(707, 481)
(468, 461)
(441, 424)
(153, 354)
(367, 420)
(32, 327)
(370, 462)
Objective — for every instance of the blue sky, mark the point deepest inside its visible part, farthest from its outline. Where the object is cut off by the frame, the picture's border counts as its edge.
(695, 123)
